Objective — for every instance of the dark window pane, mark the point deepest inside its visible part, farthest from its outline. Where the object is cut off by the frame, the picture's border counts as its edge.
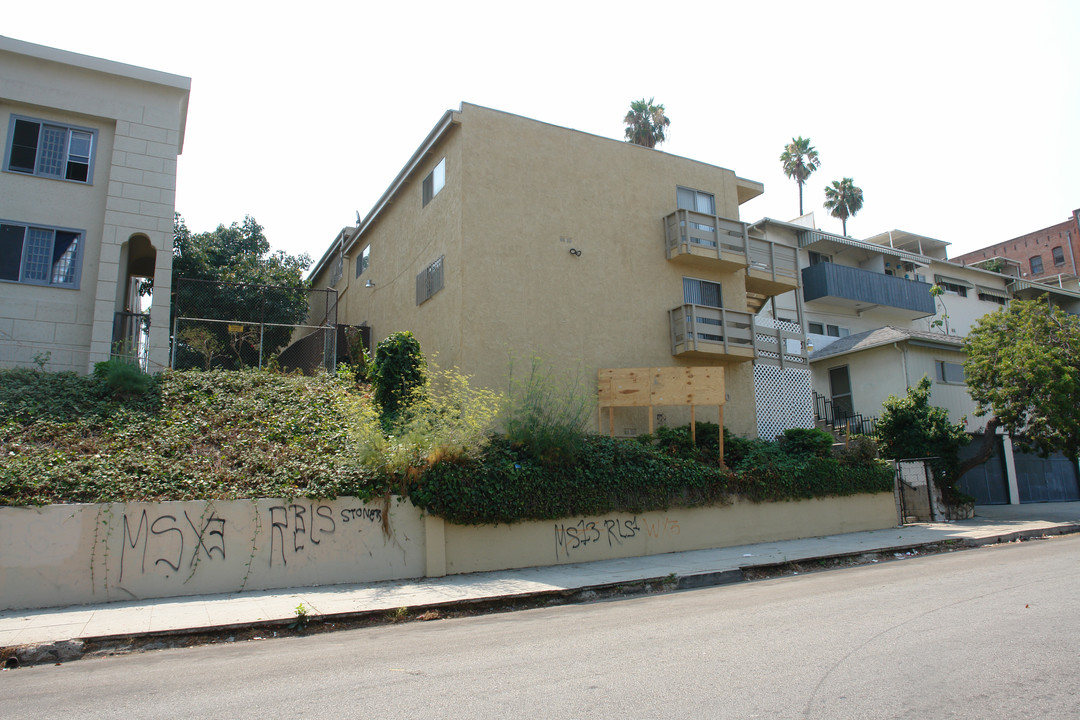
(24, 141)
(78, 171)
(11, 246)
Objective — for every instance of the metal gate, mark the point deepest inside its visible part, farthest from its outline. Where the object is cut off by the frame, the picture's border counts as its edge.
(915, 490)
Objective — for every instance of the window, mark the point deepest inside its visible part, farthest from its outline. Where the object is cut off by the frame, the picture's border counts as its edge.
(429, 281)
(689, 199)
(434, 182)
(1036, 265)
(707, 294)
(40, 255)
(362, 261)
(1059, 255)
(816, 328)
(49, 150)
(950, 373)
(817, 258)
(954, 289)
(699, 202)
(702, 292)
(994, 298)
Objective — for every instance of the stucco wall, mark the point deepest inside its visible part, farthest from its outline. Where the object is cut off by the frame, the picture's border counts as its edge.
(473, 549)
(519, 195)
(71, 554)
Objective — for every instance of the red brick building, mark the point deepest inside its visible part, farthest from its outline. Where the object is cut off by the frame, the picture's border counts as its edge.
(1043, 255)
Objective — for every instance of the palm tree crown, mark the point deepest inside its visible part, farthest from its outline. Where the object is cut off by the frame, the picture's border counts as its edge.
(799, 159)
(645, 123)
(843, 200)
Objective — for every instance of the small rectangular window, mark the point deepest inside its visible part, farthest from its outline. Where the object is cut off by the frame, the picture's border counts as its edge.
(50, 150)
(702, 292)
(40, 255)
(1059, 255)
(950, 373)
(429, 281)
(817, 258)
(363, 260)
(1036, 265)
(816, 328)
(434, 182)
(954, 289)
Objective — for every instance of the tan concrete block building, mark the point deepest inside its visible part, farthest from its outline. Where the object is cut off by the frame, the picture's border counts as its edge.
(507, 237)
(87, 195)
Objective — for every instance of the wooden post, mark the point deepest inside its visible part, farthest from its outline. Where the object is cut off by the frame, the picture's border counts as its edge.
(611, 420)
(650, 420)
(693, 426)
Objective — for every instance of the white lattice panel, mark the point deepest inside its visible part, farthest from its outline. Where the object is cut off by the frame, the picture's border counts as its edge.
(784, 399)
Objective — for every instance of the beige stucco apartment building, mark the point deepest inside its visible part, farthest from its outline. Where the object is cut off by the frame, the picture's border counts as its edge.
(87, 192)
(504, 237)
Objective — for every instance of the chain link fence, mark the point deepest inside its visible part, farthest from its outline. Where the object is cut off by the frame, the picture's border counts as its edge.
(238, 325)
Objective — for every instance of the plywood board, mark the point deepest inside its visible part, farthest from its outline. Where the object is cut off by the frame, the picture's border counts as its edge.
(625, 387)
(647, 387)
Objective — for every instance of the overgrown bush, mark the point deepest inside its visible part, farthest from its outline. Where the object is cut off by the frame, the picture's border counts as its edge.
(507, 484)
(451, 421)
(546, 414)
(807, 442)
(397, 374)
(124, 378)
(196, 435)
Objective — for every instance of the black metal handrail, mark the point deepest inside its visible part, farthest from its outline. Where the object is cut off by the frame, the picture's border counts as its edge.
(842, 420)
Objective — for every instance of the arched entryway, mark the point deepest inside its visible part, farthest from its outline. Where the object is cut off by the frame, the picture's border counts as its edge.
(131, 322)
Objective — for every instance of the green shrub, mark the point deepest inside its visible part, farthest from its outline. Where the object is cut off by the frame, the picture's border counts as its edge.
(546, 415)
(123, 377)
(507, 484)
(451, 421)
(398, 373)
(677, 441)
(807, 442)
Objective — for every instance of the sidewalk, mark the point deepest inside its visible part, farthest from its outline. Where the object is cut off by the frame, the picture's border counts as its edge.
(205, 613)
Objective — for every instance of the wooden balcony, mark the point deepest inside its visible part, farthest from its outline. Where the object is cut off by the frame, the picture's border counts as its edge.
(773, 268)
(700, 331)
(706, 241)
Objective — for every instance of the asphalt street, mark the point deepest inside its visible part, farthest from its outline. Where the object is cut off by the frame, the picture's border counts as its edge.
(986, 633)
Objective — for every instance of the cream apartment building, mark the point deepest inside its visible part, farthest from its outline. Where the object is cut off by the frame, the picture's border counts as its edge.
(875, 330)
(504, 237)
(87, 194)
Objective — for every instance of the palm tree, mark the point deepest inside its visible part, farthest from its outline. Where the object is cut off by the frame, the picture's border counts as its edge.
(645, 123)
(799, 159)
(843, 200)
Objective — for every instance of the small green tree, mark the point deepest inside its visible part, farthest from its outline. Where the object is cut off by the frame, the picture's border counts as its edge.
(1023, 368)
(910, 427)
(398, 373)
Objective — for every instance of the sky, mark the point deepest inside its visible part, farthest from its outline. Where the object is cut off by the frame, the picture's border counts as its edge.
(959, 120)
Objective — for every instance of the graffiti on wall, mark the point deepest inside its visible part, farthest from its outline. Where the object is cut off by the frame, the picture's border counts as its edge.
(570, 538)
(170, 541)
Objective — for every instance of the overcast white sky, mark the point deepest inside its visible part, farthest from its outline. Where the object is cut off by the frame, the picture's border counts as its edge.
(959, 120)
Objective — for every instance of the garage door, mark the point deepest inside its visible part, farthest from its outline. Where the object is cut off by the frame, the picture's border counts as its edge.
(986, 483)
(1052, 479)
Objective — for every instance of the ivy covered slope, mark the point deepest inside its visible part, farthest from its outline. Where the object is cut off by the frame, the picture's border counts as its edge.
(188, 435)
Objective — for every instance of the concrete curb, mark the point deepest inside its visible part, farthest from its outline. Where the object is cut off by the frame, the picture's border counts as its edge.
(68, 650)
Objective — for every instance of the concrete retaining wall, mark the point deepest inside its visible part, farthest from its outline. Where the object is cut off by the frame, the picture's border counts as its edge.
(71, 554)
